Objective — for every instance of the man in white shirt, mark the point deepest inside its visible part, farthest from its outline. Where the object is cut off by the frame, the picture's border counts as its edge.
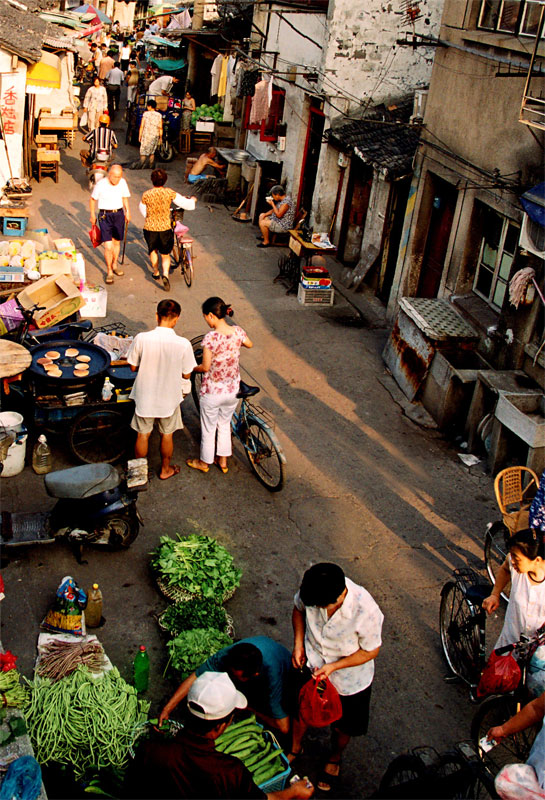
(337, 635)
(164, 362)
(114, 79)
(110, 198)
(161, 85)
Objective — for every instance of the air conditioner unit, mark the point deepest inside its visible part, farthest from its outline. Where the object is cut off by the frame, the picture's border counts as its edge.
(532, 237)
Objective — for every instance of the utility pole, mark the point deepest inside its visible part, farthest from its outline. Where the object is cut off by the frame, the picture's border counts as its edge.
(198, 15)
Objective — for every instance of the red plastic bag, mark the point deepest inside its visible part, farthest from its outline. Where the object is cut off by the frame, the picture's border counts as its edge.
(501, 674)
(319, 703)
(94, 235)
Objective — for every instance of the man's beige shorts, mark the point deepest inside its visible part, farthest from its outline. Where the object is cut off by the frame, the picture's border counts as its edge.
(165, 424)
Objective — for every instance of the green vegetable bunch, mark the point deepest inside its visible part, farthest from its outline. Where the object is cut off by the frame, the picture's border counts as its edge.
(12, 693)
(199, 613)
(246, 740)
(82, 721)
(197, 564)
(214, 112)
(190, 648)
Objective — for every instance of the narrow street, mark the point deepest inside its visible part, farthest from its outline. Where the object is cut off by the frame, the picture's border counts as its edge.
(366, 487)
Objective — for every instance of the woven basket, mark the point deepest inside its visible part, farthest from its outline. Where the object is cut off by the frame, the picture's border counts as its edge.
(178, 595)
(229, 624)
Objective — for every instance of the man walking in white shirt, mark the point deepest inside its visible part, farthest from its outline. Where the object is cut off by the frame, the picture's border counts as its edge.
(111, 198)
(164, 362)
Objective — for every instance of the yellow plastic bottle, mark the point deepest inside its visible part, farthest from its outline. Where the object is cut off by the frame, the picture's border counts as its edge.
(93, 611)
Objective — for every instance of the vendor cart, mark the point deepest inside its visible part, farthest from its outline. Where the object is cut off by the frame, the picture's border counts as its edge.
(71, 406)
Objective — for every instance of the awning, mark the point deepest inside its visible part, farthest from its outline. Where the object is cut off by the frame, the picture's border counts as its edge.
(168, 64)
(160, 41)
(533, 202)
(45, 74)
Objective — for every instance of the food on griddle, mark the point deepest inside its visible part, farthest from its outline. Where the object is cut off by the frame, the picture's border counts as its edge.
(44, 361)
(83, 358)
(52, 354)
(71, 352)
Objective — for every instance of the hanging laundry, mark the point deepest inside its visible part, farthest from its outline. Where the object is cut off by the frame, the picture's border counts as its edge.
(215, 72)
(262, 101)
(248, 82)
(222, 85)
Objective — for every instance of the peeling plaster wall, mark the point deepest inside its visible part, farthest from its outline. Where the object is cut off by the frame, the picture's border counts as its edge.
(362, 57)
(291, 48)
(12, 80)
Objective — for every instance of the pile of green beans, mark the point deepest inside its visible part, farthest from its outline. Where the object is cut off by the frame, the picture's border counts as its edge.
(12, 693)
(83, 721)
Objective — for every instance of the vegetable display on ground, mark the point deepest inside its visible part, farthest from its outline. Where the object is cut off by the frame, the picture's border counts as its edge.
(196, 564)
(247, 741)
(189, 649)
(199, 613)
(12, 693)
(83, 721)
(214, 112)
(59, 659)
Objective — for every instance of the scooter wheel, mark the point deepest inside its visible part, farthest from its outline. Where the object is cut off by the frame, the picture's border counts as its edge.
(117, 533)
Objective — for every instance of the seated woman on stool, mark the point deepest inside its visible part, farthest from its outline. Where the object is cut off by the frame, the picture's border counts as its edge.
(280, 217)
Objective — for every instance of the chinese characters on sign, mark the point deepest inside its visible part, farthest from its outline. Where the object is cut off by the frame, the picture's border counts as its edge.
(8, 108)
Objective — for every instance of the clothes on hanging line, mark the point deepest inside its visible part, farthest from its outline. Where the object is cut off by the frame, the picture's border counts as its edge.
(262, 101)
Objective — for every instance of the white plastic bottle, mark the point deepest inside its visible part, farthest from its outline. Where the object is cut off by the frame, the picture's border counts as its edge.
(41, 456)
(107, 390)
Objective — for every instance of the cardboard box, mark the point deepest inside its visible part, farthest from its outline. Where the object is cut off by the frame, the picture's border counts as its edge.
(55, 266)
(205, 126)
(59, 296)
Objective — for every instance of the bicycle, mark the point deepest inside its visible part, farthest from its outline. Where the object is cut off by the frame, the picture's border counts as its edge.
(253, 427)
(423, 773)
(182, 250)
(22, 334)
(462, 625)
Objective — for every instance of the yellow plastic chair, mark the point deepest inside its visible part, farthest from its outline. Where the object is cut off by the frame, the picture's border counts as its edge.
(511, 495)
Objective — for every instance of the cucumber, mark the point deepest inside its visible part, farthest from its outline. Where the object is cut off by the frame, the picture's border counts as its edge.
(228, 735)
(256, 758)
(268, 772)
(269, 757)
(232, 748)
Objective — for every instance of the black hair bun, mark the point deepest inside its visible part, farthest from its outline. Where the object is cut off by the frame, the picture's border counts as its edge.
(228, 311)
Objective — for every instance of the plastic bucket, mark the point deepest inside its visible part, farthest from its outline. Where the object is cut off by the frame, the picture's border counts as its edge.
(11, 421)
(15, 459)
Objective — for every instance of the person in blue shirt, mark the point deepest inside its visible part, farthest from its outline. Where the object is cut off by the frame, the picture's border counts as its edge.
(259, 667)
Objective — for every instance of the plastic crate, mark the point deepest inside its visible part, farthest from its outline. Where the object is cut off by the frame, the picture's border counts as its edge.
(278, 782)
(14, 226)
(315, 297)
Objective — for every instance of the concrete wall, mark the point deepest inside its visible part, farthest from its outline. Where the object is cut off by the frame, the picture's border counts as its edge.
(362, 58)
(12, 103)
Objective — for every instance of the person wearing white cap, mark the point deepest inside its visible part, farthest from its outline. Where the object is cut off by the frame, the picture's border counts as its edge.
(189, 766)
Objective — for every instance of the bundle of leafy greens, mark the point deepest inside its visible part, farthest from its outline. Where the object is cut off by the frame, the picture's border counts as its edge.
(199, 613)
(197, 564)
(191, 648)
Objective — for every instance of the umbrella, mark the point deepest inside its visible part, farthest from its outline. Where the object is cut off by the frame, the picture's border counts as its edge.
(89, 9)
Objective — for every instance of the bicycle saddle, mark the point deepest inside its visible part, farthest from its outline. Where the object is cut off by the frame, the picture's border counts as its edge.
(477, 593)
(247, 391)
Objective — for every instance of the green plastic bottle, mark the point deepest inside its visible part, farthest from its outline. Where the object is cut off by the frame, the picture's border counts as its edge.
(141, 670)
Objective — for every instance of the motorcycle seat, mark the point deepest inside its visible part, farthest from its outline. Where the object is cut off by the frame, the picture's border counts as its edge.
(77, 483)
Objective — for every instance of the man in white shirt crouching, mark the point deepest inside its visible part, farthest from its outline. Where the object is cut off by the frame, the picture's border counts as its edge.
(164, 362)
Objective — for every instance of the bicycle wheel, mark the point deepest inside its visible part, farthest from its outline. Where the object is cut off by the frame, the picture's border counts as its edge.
(513, 749)
(196, 377)
(495, 552)
(403, 778)
(99, 435)
(264, 454)
(176, 255)
(187, 265)
(459, 633)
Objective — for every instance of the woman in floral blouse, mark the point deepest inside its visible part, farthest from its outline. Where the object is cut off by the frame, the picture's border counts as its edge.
(220, 384)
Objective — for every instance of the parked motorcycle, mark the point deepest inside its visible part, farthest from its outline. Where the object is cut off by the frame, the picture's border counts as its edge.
(94, 506)
(165, 150)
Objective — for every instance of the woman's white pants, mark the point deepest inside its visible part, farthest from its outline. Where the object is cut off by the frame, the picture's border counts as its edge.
(216, 413)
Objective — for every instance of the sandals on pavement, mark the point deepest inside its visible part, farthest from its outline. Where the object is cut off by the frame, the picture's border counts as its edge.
(225, 470)
(109, 279)
(155, 275)
(194, 464)
(328, 782)
(262, 244)
(166, 284)
(175, 471)
(118, 272)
